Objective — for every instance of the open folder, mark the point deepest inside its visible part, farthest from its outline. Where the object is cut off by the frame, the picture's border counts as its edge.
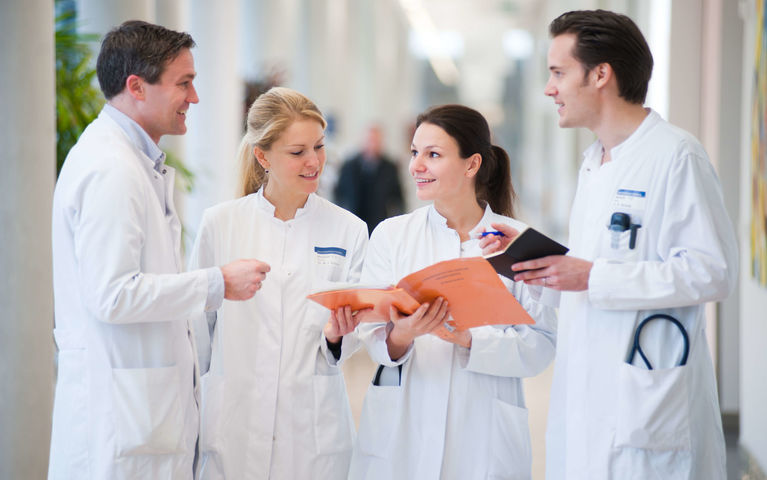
(474, 292)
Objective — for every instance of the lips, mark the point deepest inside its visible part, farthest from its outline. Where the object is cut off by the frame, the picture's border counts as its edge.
(310, 176)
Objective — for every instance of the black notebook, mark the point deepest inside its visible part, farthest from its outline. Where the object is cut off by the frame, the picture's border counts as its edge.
(529, 244)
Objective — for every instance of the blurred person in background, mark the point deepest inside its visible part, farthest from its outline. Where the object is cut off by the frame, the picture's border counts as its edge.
(368, 184)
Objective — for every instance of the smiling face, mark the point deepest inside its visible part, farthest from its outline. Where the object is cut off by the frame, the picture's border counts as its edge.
(441, 175)
(569, 86)
(163, 111)
(295, 160)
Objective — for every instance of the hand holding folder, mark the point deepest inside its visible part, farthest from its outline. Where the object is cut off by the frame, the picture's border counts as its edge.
(474, 292)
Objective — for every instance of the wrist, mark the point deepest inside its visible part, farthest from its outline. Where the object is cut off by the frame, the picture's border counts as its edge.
(399, 338)
(331, 336)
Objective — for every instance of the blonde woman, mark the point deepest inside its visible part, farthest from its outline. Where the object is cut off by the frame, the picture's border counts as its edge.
(274, 402)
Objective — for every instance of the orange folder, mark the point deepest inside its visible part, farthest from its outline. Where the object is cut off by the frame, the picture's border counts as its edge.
(473, 290)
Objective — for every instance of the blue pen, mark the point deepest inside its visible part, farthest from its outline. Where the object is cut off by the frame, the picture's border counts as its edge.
(491, 232)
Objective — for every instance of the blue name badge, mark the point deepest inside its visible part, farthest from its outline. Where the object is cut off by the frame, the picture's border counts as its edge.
(329, 256)
(330, 251)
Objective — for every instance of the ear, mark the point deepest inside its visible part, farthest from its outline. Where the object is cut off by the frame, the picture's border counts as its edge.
(134, 85)
(473, 164)
(602, 74)
(261, 158)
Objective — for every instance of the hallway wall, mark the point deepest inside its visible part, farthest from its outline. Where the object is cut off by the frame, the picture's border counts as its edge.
(753, 298)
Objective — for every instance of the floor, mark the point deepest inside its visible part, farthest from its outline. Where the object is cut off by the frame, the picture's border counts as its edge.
(359, 370)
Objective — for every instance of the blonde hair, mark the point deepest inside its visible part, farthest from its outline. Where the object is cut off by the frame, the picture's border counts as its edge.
(268, 118)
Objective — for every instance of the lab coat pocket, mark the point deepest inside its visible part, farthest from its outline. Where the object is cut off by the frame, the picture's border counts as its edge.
(653, 408)
(212, 388)
(149, 416)
(510, 454)
(379, 419)
(333, 424)
(326, 274)
(617, 246)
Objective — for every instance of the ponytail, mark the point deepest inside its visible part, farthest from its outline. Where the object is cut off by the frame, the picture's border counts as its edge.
(493, 183)
(252, 174)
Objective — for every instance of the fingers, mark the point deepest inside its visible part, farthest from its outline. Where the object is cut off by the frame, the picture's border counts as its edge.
(395, 317)
(507, 230)
(437, 314)
(346, 322)
(489, 244)
(243, 278)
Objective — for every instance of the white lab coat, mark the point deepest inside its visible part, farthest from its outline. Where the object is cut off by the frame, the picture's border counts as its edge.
(458, 412)
(609, 419)
(274, 401)
(125, 405)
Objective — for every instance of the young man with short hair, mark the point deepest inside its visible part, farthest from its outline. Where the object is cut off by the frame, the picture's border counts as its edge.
(649, 239)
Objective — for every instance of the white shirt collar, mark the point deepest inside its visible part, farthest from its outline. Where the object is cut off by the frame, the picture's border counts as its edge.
(138, 136)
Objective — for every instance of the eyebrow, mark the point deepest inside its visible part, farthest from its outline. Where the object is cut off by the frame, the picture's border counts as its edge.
(301, 144)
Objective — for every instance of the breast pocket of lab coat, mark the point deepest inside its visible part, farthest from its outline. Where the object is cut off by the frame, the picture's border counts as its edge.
(618, 246)
(149, 413)
(329, 265)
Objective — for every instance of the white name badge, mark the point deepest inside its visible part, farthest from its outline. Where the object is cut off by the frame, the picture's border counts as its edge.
(630, 201)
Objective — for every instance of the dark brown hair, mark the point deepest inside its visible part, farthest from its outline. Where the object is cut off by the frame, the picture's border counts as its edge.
(608, 37)
(137, 48)
(470, 130)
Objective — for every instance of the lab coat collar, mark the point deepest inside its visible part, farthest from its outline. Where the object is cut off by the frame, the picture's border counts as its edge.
(435, 218)
(647, 124)
(138, 137)
(263, 203)
(268, 208)
(592, 156)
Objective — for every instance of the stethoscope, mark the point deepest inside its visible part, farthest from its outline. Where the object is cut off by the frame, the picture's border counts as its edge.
(638, 349)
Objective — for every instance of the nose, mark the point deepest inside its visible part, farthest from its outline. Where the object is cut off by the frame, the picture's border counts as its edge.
(549, 90)
(313, 159)
(192, 97)
(416, 164)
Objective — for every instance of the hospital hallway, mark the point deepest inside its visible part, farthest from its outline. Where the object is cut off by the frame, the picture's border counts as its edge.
(380, 63)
